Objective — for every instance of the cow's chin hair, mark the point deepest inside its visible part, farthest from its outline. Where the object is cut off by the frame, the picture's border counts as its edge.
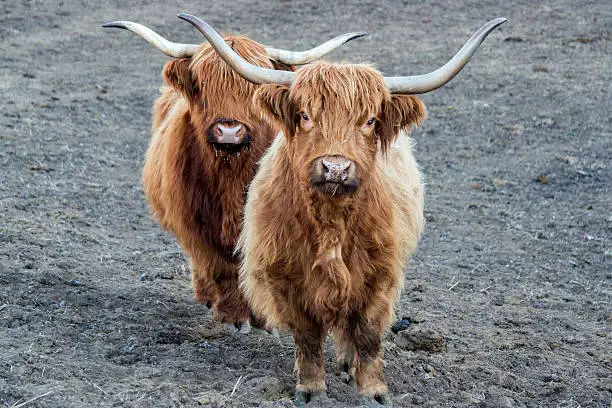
(230, 147)
(334, 189)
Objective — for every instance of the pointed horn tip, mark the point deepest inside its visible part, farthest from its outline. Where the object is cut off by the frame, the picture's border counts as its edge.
(357, 34)
(499, 21)
(195, 21)
(490, 26)
(115, 24)
(186, 16)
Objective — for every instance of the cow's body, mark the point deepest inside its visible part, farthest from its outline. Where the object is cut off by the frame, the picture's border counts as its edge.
(281, 241)
(196, 189)
(323, 256)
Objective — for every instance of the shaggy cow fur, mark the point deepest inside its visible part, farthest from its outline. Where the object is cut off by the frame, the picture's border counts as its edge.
(316, 262)
(195, 190)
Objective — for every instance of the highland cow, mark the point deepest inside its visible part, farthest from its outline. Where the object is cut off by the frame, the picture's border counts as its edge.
(207, 140)
(335, 209)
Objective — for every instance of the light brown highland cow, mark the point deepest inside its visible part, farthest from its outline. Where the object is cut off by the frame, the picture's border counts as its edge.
(207, 140)
(335, 209)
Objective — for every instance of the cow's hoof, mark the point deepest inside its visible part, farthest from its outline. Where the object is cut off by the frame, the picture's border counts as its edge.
(260, 324)
(347, 375)
(245, 327)
(349, 380)
(206, 302)
(240, 327)
(377, 401)
(310, 397)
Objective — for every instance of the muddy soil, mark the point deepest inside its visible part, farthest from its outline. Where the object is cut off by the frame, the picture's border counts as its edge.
(507, 301)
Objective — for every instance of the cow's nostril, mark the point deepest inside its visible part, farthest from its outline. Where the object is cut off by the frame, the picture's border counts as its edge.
(324, 166)
(240, 133)
(218, 131)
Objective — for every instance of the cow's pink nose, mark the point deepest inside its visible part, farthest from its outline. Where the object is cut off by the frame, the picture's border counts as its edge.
(229, 133)
(335, 175)
(335, 168)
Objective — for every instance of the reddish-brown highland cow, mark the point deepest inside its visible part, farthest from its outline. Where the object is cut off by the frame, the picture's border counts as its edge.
(335, 209)
(207, 140)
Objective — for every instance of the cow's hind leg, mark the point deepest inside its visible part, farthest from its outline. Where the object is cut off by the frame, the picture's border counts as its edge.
(346, 357)
(369, 375)
(309, 364)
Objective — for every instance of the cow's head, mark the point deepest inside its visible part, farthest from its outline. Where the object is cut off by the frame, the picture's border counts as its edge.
(337, 116)
(220, 100)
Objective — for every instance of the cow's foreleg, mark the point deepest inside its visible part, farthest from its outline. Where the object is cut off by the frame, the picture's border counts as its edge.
(204, 287)
(346, 357)
(309, 364)
(231, 306)
(369, 375)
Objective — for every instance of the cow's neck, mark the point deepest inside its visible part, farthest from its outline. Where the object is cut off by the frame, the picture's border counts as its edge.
(328, 277)
(331, 216)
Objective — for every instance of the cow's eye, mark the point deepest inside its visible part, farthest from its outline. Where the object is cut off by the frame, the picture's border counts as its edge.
(370, 122)
(305, 117)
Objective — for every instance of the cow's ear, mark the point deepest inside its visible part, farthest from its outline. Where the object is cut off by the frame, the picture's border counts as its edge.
(178, 75)
(274, 102)
(402, 112)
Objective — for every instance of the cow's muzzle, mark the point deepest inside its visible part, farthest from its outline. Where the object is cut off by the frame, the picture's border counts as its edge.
(228, 134)
(334, 175)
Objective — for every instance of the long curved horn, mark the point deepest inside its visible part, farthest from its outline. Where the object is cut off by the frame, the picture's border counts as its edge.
(171, 49)
(250, 72)
(305, 57)
(177, 50)
(419, 84)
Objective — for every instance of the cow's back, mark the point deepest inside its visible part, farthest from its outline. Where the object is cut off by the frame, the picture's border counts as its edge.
(406, 187)
(168, 114)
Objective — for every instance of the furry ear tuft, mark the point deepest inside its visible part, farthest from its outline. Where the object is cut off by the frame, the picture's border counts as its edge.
(273, 101)
(402, 112)
(178, 75)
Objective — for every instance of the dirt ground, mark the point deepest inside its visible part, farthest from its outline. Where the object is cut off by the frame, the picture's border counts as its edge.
(508, 298)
